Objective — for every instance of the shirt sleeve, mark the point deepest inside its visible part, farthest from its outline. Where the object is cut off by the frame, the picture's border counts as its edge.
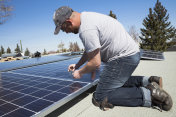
(90, 40)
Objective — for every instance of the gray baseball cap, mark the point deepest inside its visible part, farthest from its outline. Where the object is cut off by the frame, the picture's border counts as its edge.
(59, 17)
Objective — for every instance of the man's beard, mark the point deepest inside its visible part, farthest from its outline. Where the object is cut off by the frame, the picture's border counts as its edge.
(75, 31)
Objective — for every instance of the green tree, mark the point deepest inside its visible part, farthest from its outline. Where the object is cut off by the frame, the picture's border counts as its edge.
(158, 32)
(17, 50)
(27, 53)
(5, 11)
(2, 50)
(21, 47)
(8, 50)
(112, 15)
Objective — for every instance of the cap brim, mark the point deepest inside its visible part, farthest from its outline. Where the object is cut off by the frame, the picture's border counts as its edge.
(57, 29)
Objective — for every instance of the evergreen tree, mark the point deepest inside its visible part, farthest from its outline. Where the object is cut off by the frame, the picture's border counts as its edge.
(2, 50)
(8, 50)
(21, 47)
(17, 50)
(27, 53)
(157, 34)
(112, 15)
(82, 49)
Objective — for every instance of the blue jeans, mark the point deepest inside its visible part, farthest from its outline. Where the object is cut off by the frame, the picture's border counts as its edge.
(122, 89)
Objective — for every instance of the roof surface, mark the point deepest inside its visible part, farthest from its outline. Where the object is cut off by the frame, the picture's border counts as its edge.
(83, 107)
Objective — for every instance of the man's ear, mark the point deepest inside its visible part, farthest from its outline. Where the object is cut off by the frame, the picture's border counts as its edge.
(69, 21)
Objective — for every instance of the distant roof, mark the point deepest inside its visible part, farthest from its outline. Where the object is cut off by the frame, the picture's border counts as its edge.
(11, 55)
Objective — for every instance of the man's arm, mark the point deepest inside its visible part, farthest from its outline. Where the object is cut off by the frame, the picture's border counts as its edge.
(82, 60)
(94, 62)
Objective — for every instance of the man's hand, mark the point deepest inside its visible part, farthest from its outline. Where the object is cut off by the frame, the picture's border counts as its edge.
(76, 74)
(71, 67)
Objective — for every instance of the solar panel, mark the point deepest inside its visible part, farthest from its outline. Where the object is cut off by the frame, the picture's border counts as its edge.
(10, 65)
(39, 90)
(54, 70)
(151, 55)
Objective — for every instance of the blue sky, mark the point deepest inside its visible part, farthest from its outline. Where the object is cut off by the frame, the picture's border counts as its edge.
(32, 22)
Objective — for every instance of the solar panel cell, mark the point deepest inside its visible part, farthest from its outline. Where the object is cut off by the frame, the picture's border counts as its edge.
(18, 88)
(54, 87)
(55, 96)
(33, 83)
(42, 85)
(38, 105)
(41, 93)
(29, 90)
(12, 96)
(2, 102)
(7, 107)
(22, 81)
(64, 83)
(54, 81)
(68, 90)
(24, 100)
(21, 112)
(78, 84)
(5, 92)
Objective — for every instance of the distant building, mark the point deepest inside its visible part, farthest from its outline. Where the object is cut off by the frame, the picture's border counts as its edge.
(52, 52)
(12, 57)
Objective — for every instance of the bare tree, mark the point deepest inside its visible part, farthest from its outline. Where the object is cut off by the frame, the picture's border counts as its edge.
(71, 47)
(134, 34)
(5, 11)
(76, 47)
(61, 46)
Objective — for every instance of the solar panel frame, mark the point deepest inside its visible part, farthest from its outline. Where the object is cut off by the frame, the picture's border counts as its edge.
(58, 104)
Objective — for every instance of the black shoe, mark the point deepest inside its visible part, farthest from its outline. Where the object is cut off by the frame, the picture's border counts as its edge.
(156, 79)
(160, 97)
(104, 105)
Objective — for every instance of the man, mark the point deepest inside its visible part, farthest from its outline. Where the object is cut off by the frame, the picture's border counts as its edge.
(105, 39)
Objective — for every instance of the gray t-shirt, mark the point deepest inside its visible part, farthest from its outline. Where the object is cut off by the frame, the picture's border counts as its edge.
(102, 31)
